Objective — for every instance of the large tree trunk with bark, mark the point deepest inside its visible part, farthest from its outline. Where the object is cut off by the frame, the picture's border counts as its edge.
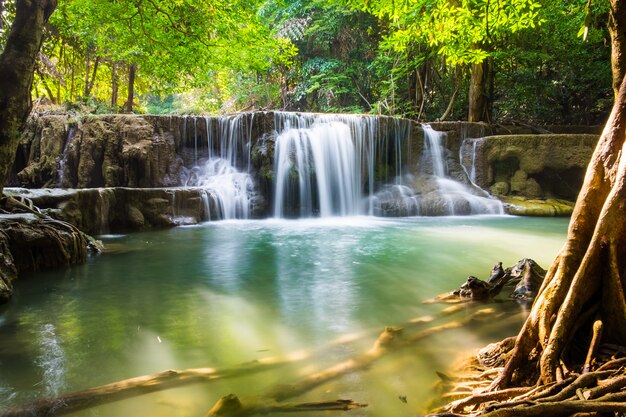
(617, 29)
(586, 281)
(132, 69)
(479, 91)
(17, 65)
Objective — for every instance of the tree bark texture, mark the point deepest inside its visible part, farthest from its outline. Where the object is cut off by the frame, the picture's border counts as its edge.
(588, 273)
(17, 65)
(479, 92)
(114, 86)
(132, 69)
(617, 29)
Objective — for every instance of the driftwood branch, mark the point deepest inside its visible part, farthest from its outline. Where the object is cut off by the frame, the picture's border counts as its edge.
(128, 388)
(160, 381)
(389, 340)
(232, 406)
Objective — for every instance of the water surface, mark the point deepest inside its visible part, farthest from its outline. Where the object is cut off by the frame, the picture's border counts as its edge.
(225, 293)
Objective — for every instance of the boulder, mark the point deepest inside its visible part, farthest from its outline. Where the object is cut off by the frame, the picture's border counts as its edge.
(30, 243)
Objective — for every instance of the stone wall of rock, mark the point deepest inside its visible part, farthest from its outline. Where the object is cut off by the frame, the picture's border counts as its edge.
(120, 209)
(97, 151)
(532, 166)
(99, 154)
(29, 243)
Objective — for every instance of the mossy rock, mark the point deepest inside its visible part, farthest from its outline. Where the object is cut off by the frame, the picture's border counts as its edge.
(520, 206)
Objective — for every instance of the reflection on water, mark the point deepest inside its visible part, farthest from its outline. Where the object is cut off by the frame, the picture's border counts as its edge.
(229, 292)
(51, 360)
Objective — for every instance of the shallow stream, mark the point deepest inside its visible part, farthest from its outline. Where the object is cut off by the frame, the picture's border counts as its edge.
(224, 293)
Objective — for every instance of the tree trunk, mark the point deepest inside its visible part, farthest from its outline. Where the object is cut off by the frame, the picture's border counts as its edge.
(588, 273)
(92, 81)
(17, 66)
(617, 29)
(132, 69)
(479, 94)
(114, 87)
(586, 280)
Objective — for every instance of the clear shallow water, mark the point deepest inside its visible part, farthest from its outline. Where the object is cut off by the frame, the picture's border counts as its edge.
(229, 292)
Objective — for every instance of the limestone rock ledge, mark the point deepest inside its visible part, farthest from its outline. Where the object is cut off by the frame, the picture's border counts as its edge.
(30, 243)
(120, 209)
(520, 206)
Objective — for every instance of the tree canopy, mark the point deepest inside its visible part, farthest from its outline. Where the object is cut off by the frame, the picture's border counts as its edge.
(414, 58)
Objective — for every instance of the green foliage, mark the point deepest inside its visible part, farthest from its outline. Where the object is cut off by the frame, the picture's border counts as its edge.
(175, 45)
(551, 75)
(460, 31)
(406, 58)
(335, 47)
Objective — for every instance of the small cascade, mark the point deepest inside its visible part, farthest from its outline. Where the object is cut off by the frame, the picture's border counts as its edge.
(323, 169)
(63, 161)
(434, 150)
(103, 207)
(227, 190)
(449, 196)
(223, 170)
(331, 165)
(467, 156)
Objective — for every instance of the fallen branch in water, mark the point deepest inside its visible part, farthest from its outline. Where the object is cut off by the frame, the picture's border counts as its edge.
(132, 387)
(160, 381)
(231, 406)
(390, 339)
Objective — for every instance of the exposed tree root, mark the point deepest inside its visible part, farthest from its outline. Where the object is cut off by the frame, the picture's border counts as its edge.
(594, 391)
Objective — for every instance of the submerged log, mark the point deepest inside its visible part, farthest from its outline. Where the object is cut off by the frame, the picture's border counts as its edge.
(231, 406)
(390, 339)
(129, 388)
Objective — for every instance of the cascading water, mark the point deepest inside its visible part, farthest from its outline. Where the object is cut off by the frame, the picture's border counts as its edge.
(228, 188)
(329, 165)
(326, 165)
(63, 161)
(454, 197)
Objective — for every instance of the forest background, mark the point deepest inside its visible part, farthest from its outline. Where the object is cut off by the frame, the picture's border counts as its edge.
(534, 61)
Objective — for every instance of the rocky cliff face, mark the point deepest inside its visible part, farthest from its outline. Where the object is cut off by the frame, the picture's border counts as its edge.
(532, 166)
(29, 243)
(126, 166)
(97, 151)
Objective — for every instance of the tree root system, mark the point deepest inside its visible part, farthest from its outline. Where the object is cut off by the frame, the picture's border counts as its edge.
(597, 386)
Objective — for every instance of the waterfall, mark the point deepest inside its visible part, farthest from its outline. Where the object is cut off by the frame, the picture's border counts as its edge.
(228, 189)
(452, 197)
(326, 165)
(434, 149)
(224, 175)
(63, 161)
